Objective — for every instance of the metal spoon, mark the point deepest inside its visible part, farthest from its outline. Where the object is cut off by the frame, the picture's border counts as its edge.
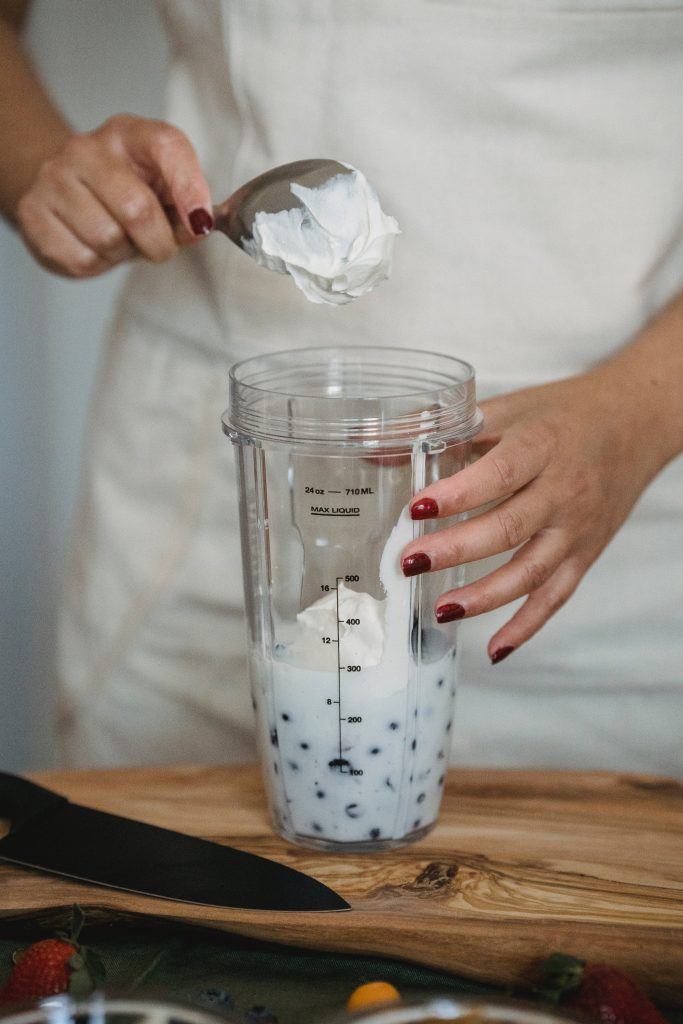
(270, 193)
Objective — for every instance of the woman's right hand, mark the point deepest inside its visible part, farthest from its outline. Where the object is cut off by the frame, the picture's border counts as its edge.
(99, 200)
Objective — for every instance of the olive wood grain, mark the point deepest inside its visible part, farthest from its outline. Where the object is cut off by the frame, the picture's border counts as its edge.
(521, 864)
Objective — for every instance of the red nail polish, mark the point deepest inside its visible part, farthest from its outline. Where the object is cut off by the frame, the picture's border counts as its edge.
(450, 612)
(425, 508)
(501, 653)
(413, 565)
(201, 221)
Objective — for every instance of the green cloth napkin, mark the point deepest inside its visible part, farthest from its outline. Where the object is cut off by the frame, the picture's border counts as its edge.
(247, 981)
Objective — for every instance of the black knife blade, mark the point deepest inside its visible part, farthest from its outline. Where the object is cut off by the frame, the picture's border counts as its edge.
(49, 833)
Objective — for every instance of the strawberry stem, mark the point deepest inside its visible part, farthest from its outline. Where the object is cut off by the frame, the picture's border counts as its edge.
(562, 975)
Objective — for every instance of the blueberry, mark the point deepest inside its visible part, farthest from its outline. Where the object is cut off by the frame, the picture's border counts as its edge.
(375, 750)
(448, 726)
(304, 746)
(354, 810)
(284, 717)
(320, 794)
(375, 833)
(440, 782)
(420, 798)
(389, 784)
(217, 997)
(413, 745)
(273, 737)
(440, 755)
(316, 827)
(293, 765)
(416, 823)
(440, 682)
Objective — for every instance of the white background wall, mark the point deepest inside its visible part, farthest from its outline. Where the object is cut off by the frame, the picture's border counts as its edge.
(97, 57)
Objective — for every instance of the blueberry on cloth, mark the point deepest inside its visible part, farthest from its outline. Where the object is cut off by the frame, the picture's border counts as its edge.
(273, 737)
(217, 997)
(375, 833)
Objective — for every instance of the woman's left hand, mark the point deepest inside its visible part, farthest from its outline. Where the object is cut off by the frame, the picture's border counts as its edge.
(564, 464)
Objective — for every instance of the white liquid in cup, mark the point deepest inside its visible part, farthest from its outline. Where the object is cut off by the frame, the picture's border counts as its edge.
(378, 776)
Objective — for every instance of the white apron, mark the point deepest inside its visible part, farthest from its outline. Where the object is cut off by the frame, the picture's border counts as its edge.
(532, 151)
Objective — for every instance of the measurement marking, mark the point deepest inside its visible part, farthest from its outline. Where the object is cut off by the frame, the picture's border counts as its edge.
(334, 492)
(339, 515)
(338, 580)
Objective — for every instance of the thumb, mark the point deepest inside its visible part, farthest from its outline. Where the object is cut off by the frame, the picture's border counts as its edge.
(167, 159)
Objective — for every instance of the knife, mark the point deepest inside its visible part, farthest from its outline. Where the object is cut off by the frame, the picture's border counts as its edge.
(49, 833)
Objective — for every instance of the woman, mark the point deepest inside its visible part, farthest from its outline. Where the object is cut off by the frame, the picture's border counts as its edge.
(531, 153)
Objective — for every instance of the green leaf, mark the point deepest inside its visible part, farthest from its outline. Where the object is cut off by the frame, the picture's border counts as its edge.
(562, 975)
(80, 983)
(77, 922)
(94, 965)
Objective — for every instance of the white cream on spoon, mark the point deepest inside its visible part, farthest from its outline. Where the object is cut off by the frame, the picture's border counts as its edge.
(319, 221)
(337, 244)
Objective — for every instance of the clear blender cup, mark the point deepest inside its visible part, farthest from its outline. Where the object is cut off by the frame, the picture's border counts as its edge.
(352, 680)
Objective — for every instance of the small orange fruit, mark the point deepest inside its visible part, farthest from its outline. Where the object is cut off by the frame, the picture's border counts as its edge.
(374, 993)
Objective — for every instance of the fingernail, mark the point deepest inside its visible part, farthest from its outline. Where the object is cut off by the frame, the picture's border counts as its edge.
(449, 612)
(425, 508)
(501, 653)
(413, 565)
(201, 221)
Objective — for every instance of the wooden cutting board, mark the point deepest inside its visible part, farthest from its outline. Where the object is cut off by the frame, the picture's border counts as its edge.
(521, 864)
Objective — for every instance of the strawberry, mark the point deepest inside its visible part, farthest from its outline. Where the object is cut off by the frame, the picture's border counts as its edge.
(597, 990)
(52, 966)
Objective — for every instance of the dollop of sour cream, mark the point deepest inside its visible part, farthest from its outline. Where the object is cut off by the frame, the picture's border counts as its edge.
(337, 245)
(364, 642)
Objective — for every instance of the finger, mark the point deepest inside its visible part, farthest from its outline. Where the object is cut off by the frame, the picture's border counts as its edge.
(500, 529)
(527, 570)
(166, 153)
(55, 246)
(133, 205)
(540, 606)
(94, 225)
(507, 467)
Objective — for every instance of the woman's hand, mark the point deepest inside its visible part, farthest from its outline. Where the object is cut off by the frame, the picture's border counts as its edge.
(99, 199)
(564, 464)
